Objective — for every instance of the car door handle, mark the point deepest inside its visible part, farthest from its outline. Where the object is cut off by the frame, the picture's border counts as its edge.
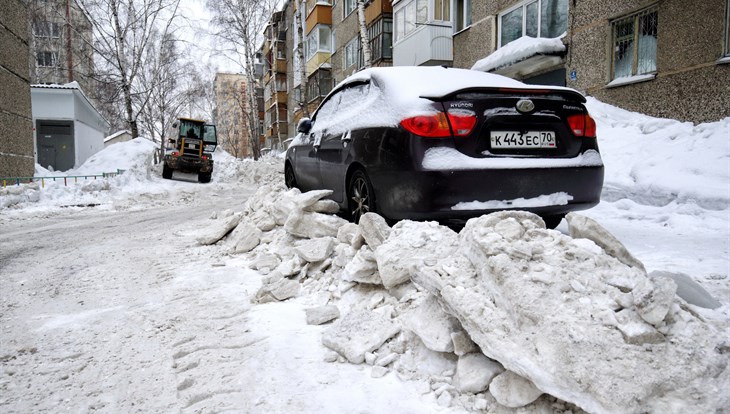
(346, 137)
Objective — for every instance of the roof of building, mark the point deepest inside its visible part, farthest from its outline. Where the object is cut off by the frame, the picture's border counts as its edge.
(116, 134)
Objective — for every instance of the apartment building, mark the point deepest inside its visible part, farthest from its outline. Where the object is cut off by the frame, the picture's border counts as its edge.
(231, 107)
(347, 56)
(17, 157)
(668, 58)
(61, 49)
(274, 55)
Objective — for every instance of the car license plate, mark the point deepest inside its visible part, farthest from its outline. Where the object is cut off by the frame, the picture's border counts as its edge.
(192, 146)
(526, 139)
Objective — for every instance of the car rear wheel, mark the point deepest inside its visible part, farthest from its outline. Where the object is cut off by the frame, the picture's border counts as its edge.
(552, 222)
(289, 179)
(360, 195)
(166, 171)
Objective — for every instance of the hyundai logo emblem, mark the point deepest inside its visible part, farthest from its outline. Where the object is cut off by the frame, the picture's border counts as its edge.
(525, 106)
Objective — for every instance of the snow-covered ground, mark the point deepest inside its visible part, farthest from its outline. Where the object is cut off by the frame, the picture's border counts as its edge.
(135, 305)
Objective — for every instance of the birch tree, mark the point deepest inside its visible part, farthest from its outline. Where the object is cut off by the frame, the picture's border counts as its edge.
(124, 32)
(366, 55)
(299, 22)
(240, 25)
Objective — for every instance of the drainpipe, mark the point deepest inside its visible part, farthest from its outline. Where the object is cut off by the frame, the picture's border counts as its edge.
(69, 55)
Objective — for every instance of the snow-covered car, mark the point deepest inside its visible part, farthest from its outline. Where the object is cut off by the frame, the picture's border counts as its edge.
(434, 143)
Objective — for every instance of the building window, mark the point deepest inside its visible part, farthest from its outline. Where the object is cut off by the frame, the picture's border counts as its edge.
(534, 18)
(462, 19)
(442, 10)
(727, 30)
(46, 59)
(351, 52)
(634, 44)
(380, 35)
(408, 17)
(348, 7)
(46, 29)
(319, 40)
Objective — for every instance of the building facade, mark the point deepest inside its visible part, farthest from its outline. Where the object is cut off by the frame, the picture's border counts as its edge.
(274, 55)
(231, 107)
(638, 55)
(16, 125)
(61, 36)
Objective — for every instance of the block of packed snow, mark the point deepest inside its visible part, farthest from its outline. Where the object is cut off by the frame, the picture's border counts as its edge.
(636, 331)
(265, 261)
(653, 297)
(378, 371)
(312, 225)
(374, 229)
(290, 267)
(346, 233)
(584, 227)
(462, 343)
(689, 290)
(548, 309)
(512, 390)
(432, 325)
(475, 371)
(245, 237)
(344, 253)
(262, 220)
(322, 314)
(409, 244)
(218, 229)
(362, 268)
(358, 332)
(279, 290)
(315, 250)
(323, 206)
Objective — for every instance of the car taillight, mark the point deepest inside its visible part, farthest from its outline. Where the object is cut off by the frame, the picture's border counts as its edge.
(582, 125)
(205, 157)
(437, 125)
(175, 154)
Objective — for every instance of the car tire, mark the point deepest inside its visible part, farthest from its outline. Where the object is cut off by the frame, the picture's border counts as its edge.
(360, 196)
(552, 222)
(290, 180)
(166, 171)
(204, 177)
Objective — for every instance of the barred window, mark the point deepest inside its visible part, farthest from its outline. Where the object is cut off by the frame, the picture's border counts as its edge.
(46, 59)
(351, 53)
(634, 44)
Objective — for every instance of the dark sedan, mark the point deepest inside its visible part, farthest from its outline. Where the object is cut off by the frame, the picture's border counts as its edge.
(433, 143)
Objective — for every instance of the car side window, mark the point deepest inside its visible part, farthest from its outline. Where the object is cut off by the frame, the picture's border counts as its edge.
(350, 102)
(326, 112)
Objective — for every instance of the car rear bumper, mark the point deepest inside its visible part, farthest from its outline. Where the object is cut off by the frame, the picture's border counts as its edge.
(436, 195)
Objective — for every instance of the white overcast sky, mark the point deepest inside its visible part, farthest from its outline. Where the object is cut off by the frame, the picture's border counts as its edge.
(197, 33)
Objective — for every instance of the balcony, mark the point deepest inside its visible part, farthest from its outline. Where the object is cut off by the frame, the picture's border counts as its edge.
(375, 9)
(429, 45)
(320, 14)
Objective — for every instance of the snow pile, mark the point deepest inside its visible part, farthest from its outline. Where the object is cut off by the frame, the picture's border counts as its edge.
(518, 50)
(227, 168)
(656, 161)
(503, 314)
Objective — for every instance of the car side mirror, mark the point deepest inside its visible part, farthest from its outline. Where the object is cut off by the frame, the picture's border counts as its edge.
(304, 125)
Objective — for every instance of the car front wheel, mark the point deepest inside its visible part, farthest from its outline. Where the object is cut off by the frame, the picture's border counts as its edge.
(360, 195)
(289, 179)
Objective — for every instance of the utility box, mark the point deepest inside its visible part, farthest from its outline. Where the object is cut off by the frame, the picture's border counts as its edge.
(68, 129)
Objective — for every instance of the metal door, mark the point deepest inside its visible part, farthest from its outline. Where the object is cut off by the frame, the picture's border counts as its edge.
(55, 143)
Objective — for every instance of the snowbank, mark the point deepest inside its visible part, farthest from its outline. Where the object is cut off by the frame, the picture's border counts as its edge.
(547, 313)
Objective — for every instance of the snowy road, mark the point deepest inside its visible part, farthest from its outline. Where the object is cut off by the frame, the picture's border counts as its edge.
(94, 314)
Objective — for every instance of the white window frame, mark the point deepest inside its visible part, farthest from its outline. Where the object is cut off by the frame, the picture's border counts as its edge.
(466, 13)
(523, 5)
(401, 34)
(315, 38)
(48, 29)
(726, 52)
(350, 53)
(351, 4)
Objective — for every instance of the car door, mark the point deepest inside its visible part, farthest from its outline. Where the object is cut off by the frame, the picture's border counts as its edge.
(334, 149)
(305, 162)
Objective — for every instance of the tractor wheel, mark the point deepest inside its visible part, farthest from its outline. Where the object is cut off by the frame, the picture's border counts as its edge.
(166, 171)
(204, 177)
